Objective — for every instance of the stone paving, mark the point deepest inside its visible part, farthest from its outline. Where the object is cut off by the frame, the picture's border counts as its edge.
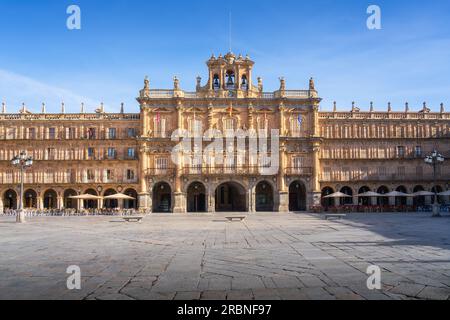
(268, 256)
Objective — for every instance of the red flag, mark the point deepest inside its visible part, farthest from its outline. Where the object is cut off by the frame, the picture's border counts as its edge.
(158, 117)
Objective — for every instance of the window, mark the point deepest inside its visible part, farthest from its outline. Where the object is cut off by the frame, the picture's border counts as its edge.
(71, 133)
(112, 153)
(32, 133)
(229, 124)
(11, 133)
(109, 174)
(91, 152)
(131, 132)
(161, 165)
(49, 176)
(400, 151)
(418, 152)
(382, 171)
(112, 133)
(195, 127)
(91, 134)
(216, 82)
(159, 125)
(296, 126)
(401, 171)
(51, 153)
(51, 133)
(419, 171)
(130, 174)
(90, 174)
(131, 153)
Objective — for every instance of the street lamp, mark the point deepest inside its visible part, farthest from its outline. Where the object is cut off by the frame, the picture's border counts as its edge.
(434, 160)
(23, 162)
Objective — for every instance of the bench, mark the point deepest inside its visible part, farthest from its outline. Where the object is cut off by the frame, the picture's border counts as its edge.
(231, 218)
(136, 219)
(335, 216)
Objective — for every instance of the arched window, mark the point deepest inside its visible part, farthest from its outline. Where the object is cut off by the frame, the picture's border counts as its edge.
(216, 82)
(230, 79)
(244, 82)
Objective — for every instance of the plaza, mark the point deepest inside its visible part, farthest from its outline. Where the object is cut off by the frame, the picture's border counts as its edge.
(201, 256)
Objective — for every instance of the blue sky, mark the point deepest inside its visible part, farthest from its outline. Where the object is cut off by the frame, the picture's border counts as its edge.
(122, 41)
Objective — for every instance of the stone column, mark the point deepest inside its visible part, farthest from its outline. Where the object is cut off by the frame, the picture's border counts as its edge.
(315, 178)
(283, 192)
(143, 192)
(1, 205)
(211, 201)
(40, 202)
(59, 202)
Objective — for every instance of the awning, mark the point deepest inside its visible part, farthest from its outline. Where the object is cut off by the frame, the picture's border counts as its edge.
(119, 196)
(338, 195)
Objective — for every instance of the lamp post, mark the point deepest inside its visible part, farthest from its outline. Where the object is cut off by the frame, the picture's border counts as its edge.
(23, 162)
(434, 160)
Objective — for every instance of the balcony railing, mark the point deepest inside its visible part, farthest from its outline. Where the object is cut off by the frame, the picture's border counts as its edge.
(388, 177)
(304, 171)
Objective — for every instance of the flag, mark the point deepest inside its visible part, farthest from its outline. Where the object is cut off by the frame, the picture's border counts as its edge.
(230, 110)
(158, 117)
(300, 120)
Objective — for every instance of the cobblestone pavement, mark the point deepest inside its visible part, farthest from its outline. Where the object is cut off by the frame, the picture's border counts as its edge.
(268, 256)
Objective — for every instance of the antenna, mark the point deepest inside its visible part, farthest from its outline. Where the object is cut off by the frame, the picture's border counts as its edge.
(229, 30)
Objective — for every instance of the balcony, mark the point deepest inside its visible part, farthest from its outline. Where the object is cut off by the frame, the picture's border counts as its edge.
(304, 171)
(409, 176)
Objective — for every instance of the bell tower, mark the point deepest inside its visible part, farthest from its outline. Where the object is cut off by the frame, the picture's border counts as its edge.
(229, 76)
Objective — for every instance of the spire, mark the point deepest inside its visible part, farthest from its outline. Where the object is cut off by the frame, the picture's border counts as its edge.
(199, 82)
(43, 108)
(334, 106)
(371, 106)
(82, 107)
(102, 108)
(442, 108)
(3, 107)
(406, 107)
(389, 107)
(24, 108)
(311, 84)
(63, 107)
(121, 108)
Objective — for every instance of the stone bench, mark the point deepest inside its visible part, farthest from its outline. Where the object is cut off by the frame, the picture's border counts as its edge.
(135, 219)
(231, 218)
(334, 216)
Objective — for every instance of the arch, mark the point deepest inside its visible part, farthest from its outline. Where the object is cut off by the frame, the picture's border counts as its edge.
(230, 196)
(327, 202)
(297, 196)
(401, 201)
(216, 81)
(348, 191)
(70, 203)
(162, 197)
(50, 199)
(90, 204)
(244, 82)
(196, 197)
(131, 204)
(365, 201)
(418, 201)
(230, 79)
(110, 203)
(10, 199)
(383, 201)
(30, 199)
(440, 199)
(264, 197)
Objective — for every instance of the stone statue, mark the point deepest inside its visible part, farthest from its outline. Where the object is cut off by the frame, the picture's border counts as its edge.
(355, 108)
(425, 108)
(260, 84)
(145, 93)
(282, 84)
(311, 84)
(176, 83)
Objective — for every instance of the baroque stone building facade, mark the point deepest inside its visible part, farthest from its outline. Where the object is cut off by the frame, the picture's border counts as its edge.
(319, 152)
